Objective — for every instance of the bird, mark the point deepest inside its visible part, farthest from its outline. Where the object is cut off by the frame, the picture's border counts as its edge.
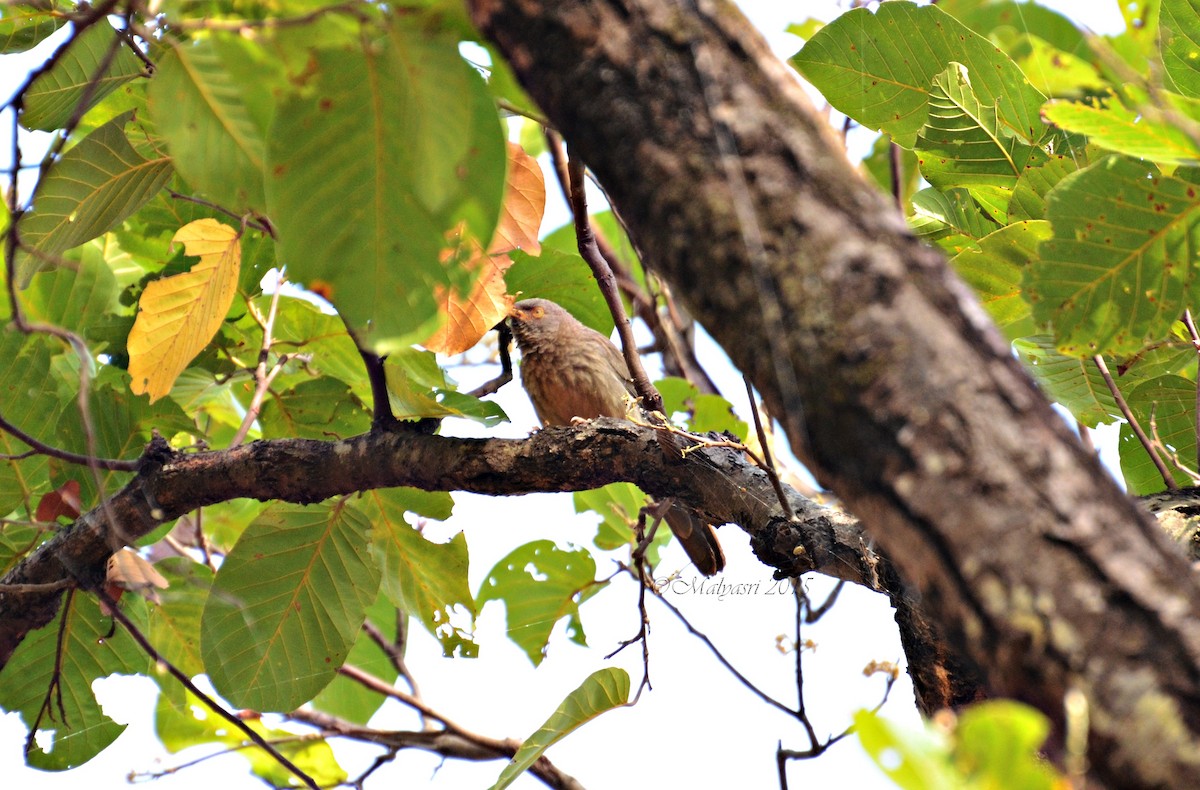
(571, 371)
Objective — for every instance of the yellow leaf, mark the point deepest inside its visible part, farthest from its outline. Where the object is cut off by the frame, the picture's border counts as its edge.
(524, 203)
(179, 315)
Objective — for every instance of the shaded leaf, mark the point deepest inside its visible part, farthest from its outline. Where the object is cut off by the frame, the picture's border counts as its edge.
(419, 389)
(1165, 407)
(53, 96)
(376, 257)
(1034, 184)
(952, 220)
(29, 400)
(88, 653)
(561, 277)
(319, 409)
(601, 691)
(964, 144)
(1179, 39)
(287, 603)
(178, 315)
(198, 108)
(93, 188)
(24, 25)
(1073, 382)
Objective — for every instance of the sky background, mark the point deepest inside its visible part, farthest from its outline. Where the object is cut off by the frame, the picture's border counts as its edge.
(699, 727)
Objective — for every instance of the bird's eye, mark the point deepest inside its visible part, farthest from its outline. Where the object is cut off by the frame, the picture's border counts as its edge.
(538, 312)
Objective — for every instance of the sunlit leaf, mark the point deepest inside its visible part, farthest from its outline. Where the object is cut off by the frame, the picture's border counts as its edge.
(1125, 131)
(467, 320)
(524, 204)
(1118, 270)
(540, 584)
(995, 269)
(178, 315)
(878, 68)
(601, 691)
(24, 25)
(427, 580)
(952, 219)
(561, 277)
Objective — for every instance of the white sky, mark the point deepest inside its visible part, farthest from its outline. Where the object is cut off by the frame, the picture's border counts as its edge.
(698, 728)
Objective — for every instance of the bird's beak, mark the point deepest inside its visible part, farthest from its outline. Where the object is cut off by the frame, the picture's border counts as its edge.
(516, 313)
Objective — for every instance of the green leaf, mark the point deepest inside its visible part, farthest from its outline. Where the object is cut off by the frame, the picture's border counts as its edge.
(16, 541)
(988, 18)
(618, 505)
(878, 165)
(319, 409)
(24, 25)
(964, 144)
(997, 745)
(419, 389)
(174, 626)
(912, 760)
(77, 299)
(601, 691)
(714, 413)
(1118, 271)
(214, 143)
(349, 699)
(29, 400)
(1118, 129)
(995, 268)
(403, 138)
(287, 605)
(1179, 39)
(425, 579)
(540, 584)
(1029, 195)
(88, 653)
(93, 188)
(1075, 383)
(952, 220)
(561, 277)
(1170, 402)
(878, 69)
(53, 97)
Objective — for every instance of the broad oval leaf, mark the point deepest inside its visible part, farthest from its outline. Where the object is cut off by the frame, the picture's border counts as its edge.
(1074, 383)
(952, 219)
(287, 604)
(24, 25)
(1165, 407)
(995, 269)
(214, 143)
(394, 146)
(878, 69)
(1118, 270)
(1122, 130)
(1179, 39)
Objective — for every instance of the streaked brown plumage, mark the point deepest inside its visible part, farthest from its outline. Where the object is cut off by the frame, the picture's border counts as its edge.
(571, 370)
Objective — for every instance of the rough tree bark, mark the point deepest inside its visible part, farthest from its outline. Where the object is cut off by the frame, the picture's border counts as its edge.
(886, 375)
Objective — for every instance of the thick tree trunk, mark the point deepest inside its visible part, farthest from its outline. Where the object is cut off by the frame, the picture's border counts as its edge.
(889, 381)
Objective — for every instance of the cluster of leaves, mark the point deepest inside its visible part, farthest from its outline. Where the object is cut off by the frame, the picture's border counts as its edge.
(354, 147)
(1062, 180)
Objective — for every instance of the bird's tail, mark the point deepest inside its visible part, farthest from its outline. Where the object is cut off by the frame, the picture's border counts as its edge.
(698, 539)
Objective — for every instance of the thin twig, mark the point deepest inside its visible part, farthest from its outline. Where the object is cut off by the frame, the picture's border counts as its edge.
(262, 376)
(651, 400)
(107, 464)
(1167, 477)
(208, 701)
(1191, 328)
(769, 463)
(504, 344)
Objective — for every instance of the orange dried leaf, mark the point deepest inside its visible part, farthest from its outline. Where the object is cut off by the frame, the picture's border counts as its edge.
(524, 204)
(467, 320)
(179, 315)
(62, 501)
